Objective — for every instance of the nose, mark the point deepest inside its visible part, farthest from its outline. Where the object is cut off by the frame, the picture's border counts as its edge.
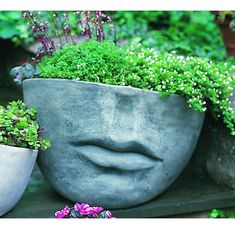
(127, 121)
(124, 115)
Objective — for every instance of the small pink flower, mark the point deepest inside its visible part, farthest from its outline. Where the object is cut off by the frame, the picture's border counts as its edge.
(85, 209)
(63, 213)
(81, 208)
(94, 210)
(109, 214)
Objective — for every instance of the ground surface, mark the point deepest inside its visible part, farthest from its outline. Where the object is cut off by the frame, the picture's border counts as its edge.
(188, 197)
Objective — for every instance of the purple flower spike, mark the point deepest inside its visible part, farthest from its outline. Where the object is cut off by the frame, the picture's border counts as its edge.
(63, 213)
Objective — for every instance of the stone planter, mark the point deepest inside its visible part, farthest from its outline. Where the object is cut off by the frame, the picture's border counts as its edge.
(16, 165)
(112, 146)
(220, 155)
(215, 152)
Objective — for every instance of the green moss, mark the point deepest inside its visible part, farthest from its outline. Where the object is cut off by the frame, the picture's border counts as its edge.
(88, 61)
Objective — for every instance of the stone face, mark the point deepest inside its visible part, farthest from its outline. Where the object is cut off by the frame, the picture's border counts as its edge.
(16, 165)
(112, 146)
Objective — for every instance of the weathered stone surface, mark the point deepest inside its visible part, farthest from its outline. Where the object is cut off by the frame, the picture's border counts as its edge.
(16, 165)
(220, 155)
(215, 153)
(112, 146)
(188, 194)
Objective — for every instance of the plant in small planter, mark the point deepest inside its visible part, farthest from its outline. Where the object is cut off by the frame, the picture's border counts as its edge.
(19, 144)
(120, 119)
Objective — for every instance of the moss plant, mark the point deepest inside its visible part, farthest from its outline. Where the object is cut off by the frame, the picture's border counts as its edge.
(89, 61)
(18, 127)
(200, 81)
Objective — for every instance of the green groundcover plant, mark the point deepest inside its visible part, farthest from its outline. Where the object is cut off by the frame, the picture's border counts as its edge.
(189, 33)
(201, 82)
(18, 127)
(218, 213)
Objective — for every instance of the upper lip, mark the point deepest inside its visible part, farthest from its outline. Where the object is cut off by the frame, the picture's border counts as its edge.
(116, 154)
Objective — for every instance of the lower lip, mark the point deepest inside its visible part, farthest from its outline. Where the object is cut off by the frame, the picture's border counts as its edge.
(106, 158)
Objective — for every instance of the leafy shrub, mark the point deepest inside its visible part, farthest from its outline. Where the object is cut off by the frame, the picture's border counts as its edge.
(89, 61)
(217, 213)
(189, 33)
(200, 81)
(18, 127)
(11, 27)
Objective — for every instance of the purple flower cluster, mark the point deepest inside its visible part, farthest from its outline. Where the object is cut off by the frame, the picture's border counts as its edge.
(83, 210)
(92, 22)
(40, 32)
(63, 213)
(58, 24)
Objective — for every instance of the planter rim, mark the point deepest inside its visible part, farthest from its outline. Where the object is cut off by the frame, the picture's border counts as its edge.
(19, 148)
(100, 84)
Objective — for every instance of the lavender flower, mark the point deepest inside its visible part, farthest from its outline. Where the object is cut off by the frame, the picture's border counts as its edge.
(40, 32)
(92, 23)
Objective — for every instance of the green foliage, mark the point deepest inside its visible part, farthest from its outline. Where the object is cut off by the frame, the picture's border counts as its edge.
(89, 61)
(189, 33)
(18, 127)
(217, 213)
(11, 27)
(200, 81)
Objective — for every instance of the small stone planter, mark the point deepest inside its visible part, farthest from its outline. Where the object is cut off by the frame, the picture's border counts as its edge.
(16, 165)
(112, 146)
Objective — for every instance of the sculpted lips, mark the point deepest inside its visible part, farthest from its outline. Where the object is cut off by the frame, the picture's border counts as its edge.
(126, 156)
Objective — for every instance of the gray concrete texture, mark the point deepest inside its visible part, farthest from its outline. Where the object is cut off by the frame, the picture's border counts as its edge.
(112, 146)
(16, 165)
(188, 197)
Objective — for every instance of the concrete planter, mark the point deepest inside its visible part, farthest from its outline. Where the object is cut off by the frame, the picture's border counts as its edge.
(112, 146)
(16, 165)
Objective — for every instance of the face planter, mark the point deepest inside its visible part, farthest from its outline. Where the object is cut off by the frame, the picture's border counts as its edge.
(112, 146)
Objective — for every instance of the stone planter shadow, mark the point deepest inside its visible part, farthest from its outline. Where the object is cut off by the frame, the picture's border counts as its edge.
(220, 156)
(112, 146)
(214, 155)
